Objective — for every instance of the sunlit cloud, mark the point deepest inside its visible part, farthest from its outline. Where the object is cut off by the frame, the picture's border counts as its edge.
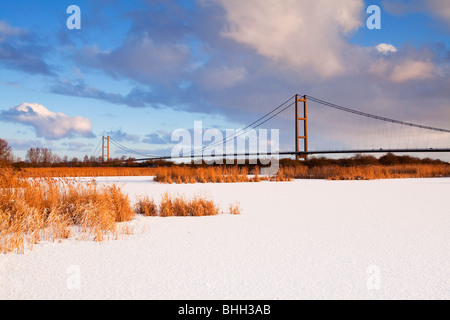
(48, 124)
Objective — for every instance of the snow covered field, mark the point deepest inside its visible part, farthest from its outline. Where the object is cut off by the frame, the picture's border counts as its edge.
(304, 239)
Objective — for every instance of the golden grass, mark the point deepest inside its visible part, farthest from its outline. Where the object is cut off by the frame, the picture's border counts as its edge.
(52, 209)
(168, 175)
(146, 207)
(32, 210)
(233, 174)
(224, 174)
(179, 206)
(235, 208)
(367, 172)
(89, 172)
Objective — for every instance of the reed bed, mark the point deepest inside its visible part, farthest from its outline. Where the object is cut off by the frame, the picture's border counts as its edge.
(52, 209)
(88, 172)
(182, 174)
(179, 206)
(223, 174)
(34, 210)
(367, 172)
(233, 174)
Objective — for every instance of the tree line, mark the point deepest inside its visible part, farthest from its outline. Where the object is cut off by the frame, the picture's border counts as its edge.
(44, 157)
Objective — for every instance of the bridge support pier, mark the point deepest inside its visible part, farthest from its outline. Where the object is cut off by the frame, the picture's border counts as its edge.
(298, 137)
(105, 149)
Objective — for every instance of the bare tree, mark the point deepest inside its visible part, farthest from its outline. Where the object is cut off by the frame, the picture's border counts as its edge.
(41, 157)
(34, 156)
(56, 159)
(74, 161)
(5, 153)
(46, 157)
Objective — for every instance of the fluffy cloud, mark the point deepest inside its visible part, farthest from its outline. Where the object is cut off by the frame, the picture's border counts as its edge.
(412, 70)
(399, 71)
(46, 123)
(385, 48)
(297, 33)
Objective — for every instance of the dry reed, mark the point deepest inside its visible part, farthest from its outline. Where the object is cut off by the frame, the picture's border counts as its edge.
(33, 210)
(181, 175)
(235, 208)
(66, 172)
(233, 174)
(367, 172)
(179, 206)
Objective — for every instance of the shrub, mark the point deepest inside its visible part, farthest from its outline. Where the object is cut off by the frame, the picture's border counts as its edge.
(146, 207)
(179, 206)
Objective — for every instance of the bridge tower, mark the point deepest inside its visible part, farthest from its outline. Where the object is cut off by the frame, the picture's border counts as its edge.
(298, 119)
(105, 149)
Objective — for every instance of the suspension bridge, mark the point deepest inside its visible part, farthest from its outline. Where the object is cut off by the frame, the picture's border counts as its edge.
(301, 140)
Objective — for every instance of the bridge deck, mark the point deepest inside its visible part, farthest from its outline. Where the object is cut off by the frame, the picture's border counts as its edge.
(302, 153)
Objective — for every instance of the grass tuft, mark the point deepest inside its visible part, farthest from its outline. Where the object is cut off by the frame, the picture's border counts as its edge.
(178, 206)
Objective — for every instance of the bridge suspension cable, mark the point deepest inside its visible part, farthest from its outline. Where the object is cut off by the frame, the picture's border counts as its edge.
(255, 124)
(97, 149)
(368, 115)
(278, 110)
(251, 126)
(123, 148)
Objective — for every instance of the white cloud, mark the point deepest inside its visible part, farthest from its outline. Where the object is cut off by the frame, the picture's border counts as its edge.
(403, 71)
(412, 70)
(297, 33)
(46, 123)
(385, 48)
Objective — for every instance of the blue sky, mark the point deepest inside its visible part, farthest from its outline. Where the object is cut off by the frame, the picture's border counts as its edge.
(137, 70)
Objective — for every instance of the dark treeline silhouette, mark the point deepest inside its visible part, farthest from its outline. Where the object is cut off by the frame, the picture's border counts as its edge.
(362, 160)
(44, 157)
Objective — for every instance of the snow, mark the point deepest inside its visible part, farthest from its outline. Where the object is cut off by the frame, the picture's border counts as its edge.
(305, 239)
